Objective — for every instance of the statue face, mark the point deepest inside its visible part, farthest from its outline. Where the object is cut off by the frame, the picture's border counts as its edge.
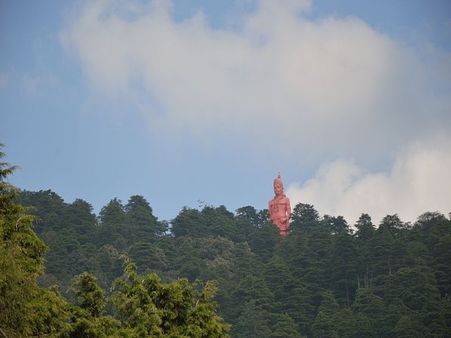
(278, 188)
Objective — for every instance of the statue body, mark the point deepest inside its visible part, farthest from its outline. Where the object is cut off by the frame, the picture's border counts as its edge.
(280, 208)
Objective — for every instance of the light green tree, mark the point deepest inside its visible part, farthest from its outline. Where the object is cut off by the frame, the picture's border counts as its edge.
(25, 308)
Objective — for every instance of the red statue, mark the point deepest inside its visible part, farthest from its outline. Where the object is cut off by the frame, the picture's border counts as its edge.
(280, 208)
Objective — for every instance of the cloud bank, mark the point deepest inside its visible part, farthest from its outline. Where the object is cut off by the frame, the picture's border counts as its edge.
(326, 87)
(317, 89)
(419, 181)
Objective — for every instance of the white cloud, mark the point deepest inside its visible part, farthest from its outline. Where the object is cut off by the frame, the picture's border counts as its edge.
(419, 181)
(310, 87)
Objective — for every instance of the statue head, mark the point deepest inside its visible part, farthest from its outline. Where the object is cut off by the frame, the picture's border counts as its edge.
(278, 185)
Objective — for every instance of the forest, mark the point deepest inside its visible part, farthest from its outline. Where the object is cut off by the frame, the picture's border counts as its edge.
(211, 272)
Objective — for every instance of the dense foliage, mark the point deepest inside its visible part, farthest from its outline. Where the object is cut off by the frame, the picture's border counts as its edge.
(326, 279)
(124, 273)
(135, 306)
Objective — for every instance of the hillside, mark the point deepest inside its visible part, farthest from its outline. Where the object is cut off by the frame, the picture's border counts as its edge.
(326, 279)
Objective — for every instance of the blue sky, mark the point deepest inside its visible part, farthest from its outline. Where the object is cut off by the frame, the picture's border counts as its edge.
(204, 102)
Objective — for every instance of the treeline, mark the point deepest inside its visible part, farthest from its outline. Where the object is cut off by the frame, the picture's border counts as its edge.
(326, 279)
(135, 305)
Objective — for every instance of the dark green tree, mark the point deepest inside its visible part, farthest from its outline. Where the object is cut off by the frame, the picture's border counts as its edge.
(304, 216)
(325, 325)
(364, 240)
(407, 327)
(253, 322)
(337, 225)
(285, 327)
(370, 309)
(343, 267)
(434, 231)
(189, 222)
(141, 224)
(113, 227)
